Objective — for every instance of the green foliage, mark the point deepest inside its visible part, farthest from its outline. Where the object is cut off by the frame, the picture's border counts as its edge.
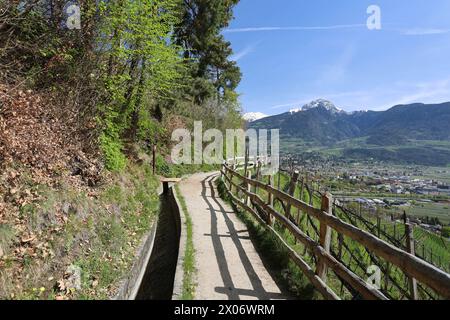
(127, 71)
(162, 167)
(131, 65)
(112, 147)
(149, 129)
(446, 232)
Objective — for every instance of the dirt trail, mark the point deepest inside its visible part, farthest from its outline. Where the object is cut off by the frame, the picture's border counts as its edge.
(228, 266)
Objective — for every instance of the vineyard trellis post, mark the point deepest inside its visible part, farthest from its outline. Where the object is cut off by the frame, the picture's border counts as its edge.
(302, 187)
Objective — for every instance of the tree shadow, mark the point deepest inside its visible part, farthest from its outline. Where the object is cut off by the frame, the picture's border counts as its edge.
(233, 293)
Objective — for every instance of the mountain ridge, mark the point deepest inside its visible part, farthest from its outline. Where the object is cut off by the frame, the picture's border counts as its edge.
(321, 124)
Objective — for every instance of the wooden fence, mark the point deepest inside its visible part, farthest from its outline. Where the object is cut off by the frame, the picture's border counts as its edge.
(264, 211)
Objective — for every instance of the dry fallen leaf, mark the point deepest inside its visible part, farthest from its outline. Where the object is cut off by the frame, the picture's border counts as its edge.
(29, 239)
(61, 285)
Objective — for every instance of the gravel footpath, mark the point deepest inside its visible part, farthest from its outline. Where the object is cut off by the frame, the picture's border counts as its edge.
(228, 265)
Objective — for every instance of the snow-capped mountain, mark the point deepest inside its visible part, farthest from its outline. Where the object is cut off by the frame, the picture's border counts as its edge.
(253, 116)
(322, 103)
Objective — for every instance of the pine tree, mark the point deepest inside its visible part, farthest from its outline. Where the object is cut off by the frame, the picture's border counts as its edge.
(206, 49)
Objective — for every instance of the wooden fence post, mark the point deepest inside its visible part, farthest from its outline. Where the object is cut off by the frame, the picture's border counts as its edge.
(386, 276)
(246, 159)
(301, 190)
(340, 244)
(379, 226)
(270, 201)
(409, 230)
(325, 235)
(258, 176)
(230, 187)
(249, 188)
(291, 191)
(279, 178)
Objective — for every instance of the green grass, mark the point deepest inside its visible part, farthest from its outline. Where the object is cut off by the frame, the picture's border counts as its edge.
(170, 170)
(7, 236)
(429, 246)
(189, 284)
(433, 248)
(431, 210)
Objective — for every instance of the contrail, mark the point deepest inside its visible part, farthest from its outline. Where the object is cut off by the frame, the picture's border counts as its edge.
(262, 29)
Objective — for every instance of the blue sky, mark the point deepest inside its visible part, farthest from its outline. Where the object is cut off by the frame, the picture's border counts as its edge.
(286, 63)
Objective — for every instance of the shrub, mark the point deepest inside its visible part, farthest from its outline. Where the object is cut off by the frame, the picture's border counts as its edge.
(115, 160)
(162, 167)
(446, 232)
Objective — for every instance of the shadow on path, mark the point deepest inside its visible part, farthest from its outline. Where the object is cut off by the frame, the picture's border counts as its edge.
(230, 289)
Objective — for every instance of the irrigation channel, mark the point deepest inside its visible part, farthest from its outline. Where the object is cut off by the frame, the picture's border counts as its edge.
(158, 280)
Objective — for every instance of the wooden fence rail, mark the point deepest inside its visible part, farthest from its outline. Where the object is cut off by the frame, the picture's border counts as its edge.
(415, 268)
